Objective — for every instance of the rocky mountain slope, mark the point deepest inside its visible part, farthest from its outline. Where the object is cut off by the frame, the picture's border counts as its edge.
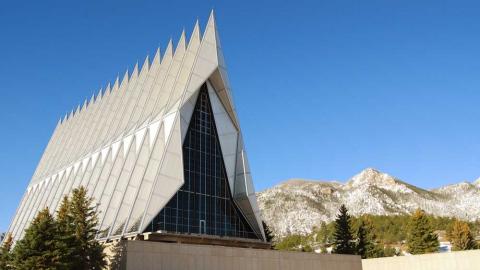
(297, 205)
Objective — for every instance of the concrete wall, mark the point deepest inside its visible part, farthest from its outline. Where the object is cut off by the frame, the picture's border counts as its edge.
(155, 255)
(461, 260)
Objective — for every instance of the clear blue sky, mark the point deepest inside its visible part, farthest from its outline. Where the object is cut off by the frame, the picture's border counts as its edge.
(323, 89)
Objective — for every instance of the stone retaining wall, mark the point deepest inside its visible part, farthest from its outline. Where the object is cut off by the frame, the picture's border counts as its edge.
(172, 256)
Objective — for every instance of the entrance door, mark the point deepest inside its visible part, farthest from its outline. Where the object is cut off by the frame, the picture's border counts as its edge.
(203, 227)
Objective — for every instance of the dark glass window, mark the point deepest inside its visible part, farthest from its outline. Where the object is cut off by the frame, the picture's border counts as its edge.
(203, 205)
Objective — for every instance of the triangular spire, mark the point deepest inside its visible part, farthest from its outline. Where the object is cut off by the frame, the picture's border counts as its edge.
(169, 50)
(146, 64)
(85, 104)
(125, 78)
(181, 46)
(210, 34)
(77, 110)
(92, 100)
(211, 19)
(195, 33)
(134, 74)
(99, 95)
(107, 91)
(156, 58)
(65, 117)
(116, 84)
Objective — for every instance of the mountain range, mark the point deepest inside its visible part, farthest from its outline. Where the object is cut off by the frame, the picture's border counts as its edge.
(296, 206)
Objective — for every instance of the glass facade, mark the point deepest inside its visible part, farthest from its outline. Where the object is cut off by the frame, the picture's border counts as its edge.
(204, 204)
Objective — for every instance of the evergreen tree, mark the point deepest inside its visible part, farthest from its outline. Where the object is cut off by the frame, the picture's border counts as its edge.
(343, 239)
(292, 242)
(362, 241)
(64, 218)
(117, 260)
(38, 248)
(366, 240)
(267, 231)
(421, 238)
(66, 240)
(461, 236)
(84, 222)
(323, 237)
(5, 253)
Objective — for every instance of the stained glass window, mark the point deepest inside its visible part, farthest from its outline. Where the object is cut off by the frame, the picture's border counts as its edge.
(204, 204)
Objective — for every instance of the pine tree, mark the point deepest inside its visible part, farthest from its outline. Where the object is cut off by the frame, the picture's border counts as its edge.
(63, 214)
(293, 242)
(366, 238)
(84, 219)
(362, 241)
(323, 237)
(343, 239)
(461, 236)
(38, 248)
(5, 253)
(66, 240)
(421, 238)
(268, 232)
(117, 260)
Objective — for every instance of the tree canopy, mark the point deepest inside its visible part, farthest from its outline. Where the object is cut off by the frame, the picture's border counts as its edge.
(343, 237)
(39, 247)
(5, 255)
(460, 235)
(387, 233)
(421, 237)
(268, 233)
(366, 245)
(64, 242)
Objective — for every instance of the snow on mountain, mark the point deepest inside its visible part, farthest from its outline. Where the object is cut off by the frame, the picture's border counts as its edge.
(298, 205)
(477, 182)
